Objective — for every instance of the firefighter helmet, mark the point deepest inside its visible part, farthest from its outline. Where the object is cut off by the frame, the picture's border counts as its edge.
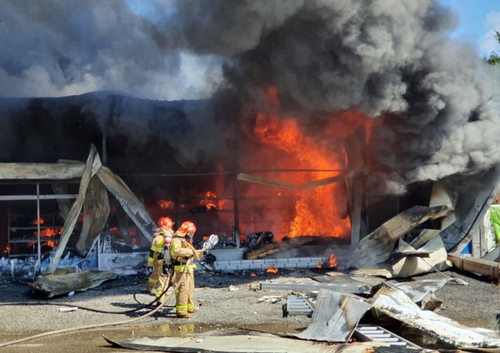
(186, 229)
(165, 222)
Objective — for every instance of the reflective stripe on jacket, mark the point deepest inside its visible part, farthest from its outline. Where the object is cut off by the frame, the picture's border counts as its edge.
(156, 251)
(182, 267)
(181, 253)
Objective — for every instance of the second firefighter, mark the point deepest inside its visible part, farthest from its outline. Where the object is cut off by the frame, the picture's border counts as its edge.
(182, 252)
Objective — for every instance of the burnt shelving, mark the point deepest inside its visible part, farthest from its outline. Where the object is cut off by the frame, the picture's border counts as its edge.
(22, 231)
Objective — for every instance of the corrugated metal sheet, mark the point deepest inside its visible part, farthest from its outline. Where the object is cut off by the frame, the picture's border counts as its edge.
(335, 318)
(380, 334)
(257, 343)
(298, 305)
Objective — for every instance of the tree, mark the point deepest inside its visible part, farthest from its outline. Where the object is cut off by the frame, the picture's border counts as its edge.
(494, 58)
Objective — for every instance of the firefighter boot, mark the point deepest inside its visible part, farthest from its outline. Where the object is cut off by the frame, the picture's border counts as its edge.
(193, 310)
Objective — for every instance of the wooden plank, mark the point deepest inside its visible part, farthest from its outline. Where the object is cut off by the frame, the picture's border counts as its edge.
(473, 265)
(273, 248)
(41, 171)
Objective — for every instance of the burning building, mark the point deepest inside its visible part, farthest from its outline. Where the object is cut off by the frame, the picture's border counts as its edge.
(330, 118)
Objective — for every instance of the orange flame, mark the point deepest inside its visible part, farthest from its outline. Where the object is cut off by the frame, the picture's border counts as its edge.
(321, 210)
(272, 270)
(281, 148)
(253, 274)
(166, 205)
(210, 206)
(209, 194)
(49, 232)
(35, 221)
(330, 263)
(209, 200)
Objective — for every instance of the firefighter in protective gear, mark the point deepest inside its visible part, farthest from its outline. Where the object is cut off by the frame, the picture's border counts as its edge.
(182, 258)
(155, 259)
(167, 274)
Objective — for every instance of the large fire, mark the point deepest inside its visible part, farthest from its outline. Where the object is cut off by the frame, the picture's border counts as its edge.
(209, 200)
(305, 166)
(301, 155)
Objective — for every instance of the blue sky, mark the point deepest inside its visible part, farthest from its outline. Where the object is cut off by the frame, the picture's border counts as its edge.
(477, 22)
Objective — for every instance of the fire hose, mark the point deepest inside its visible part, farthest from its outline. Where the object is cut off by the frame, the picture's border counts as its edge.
(148, 305)
(56, 332)
(212, 241)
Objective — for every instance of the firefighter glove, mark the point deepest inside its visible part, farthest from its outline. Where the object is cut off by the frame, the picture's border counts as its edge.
(150, 270)
(199, 254)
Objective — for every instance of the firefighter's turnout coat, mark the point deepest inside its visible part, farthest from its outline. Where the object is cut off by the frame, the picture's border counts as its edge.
(182, 252)
(156, 257)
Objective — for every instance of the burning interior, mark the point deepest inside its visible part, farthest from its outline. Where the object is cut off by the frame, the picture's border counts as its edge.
(326, 121)
(284, 190)
(248, 207)
(25, 217)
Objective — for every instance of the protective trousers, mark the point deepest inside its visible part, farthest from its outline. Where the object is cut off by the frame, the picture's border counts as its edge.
(184, 301)
(163, 284)
(155, 260)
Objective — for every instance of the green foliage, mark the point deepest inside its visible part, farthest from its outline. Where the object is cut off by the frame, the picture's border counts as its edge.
(494, 58)
(495, 221)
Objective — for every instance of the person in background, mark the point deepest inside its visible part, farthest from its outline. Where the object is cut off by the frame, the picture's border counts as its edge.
(155, 259)
(182, 252)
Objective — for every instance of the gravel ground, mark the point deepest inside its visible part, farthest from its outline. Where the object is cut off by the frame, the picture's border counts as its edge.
(224, 300)
(476, 304)
(221, 307)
